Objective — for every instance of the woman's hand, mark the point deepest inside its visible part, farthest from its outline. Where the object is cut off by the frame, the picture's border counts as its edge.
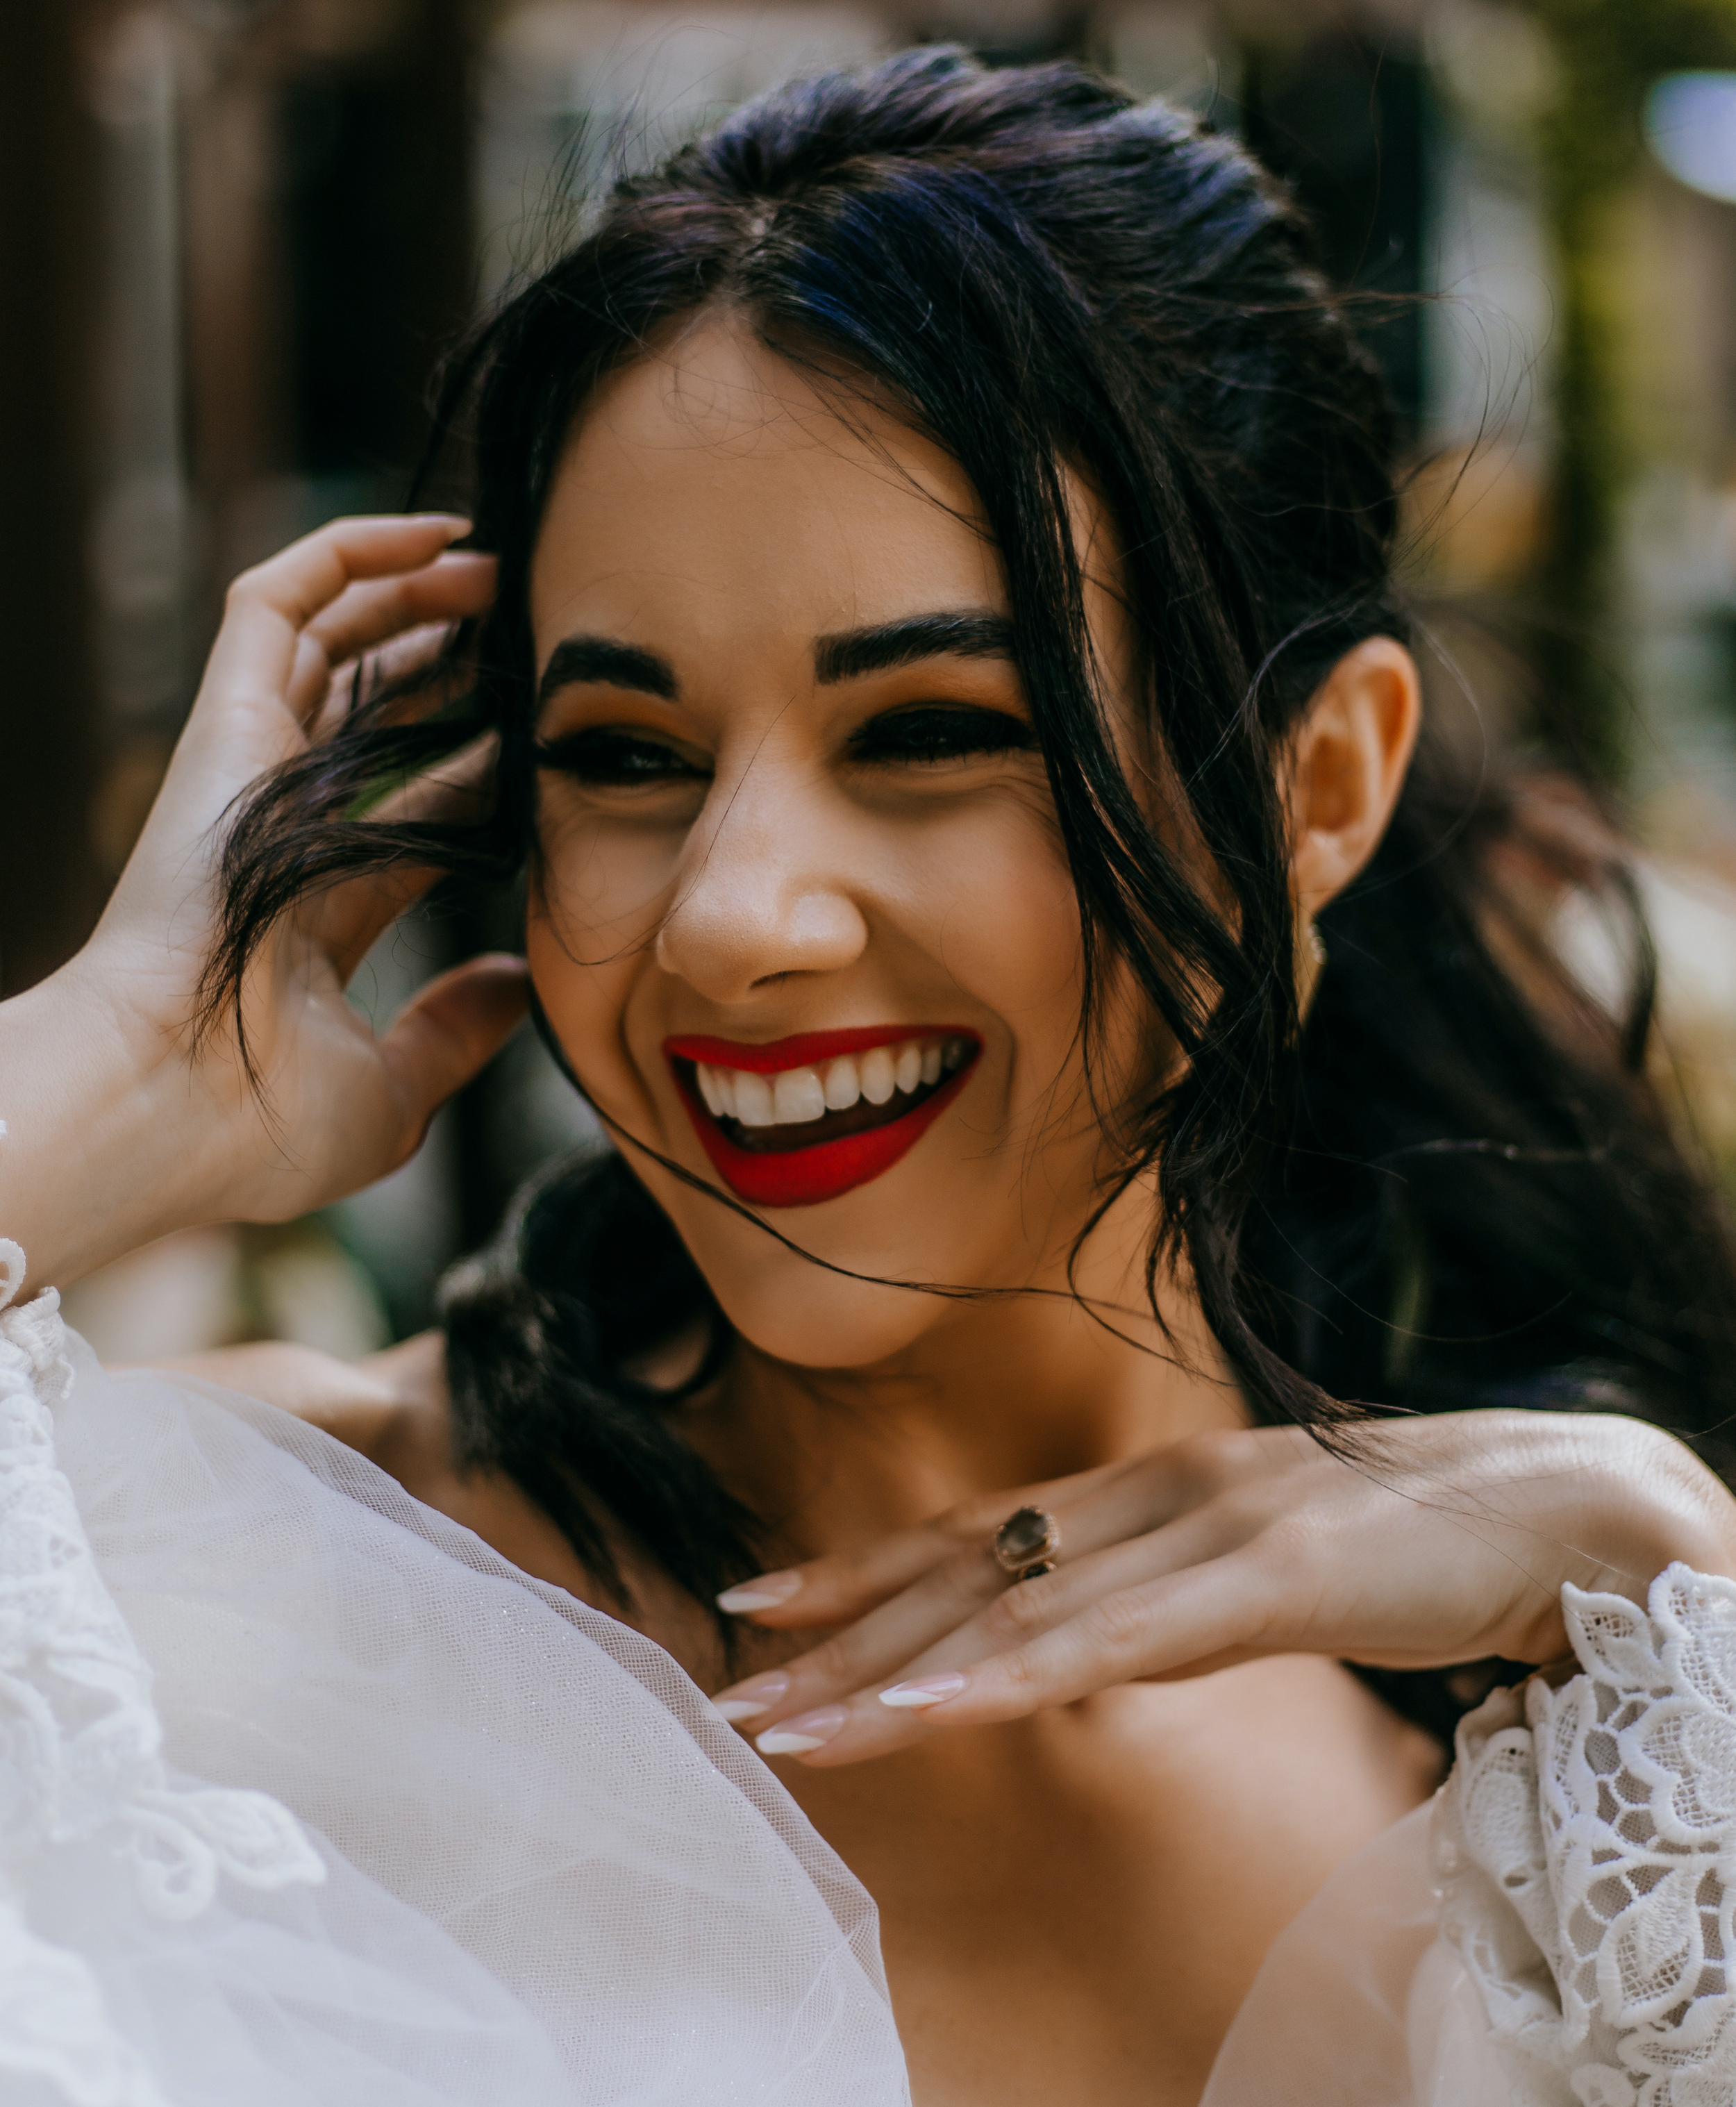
(1436, 1540)
(119, 1126)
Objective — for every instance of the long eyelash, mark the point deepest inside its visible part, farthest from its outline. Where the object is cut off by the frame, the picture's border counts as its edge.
(605, 751)
(951, 734)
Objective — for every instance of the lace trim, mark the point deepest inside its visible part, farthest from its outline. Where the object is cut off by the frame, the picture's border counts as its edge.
(81, 1744)
(1586, 1851)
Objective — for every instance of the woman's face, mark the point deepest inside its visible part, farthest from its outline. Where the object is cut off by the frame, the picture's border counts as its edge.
(806, 925)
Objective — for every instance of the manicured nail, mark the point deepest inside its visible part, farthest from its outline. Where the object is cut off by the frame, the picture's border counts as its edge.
(747, 1700)
(926, 1690)
(807, 1730)
(765, 1591)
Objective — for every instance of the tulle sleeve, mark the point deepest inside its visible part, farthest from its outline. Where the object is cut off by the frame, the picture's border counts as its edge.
(1555, 1929)
(308, 1799)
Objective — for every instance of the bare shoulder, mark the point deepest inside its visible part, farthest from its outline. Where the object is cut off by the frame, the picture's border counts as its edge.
(356, 1402)
(395, 1408)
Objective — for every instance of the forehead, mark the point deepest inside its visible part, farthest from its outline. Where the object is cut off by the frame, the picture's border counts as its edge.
(713, 490)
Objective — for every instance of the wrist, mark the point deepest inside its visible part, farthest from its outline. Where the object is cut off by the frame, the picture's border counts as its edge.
(1603, 1502)
(102, 1151)
(1662, 1505)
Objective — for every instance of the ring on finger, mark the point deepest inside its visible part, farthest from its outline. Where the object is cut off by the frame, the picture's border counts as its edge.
(1027, 1543)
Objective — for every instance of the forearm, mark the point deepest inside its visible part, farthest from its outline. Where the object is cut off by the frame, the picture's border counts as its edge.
(96, 1159)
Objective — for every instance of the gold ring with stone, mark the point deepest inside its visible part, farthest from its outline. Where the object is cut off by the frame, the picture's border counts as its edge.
(1027, 1543)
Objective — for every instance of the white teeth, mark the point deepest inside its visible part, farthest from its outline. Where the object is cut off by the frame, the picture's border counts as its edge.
(717, 1087)
(879, 1075)
(797, 1097)
(753, 1100)
(843, 1084)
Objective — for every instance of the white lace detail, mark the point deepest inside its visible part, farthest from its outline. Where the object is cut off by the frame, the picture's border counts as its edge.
(80, 1742)
(1586, 1850)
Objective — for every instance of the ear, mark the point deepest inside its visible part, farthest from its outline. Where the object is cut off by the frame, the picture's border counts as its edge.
(1347, 766)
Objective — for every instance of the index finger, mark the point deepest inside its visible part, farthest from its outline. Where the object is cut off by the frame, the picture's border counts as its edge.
(1093, 1507)
(1075, 1633)
(253, 658)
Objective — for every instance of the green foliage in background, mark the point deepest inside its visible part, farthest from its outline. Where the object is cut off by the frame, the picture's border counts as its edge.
(1607, 53)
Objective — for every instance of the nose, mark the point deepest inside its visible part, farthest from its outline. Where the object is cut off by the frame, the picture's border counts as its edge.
(764, 893)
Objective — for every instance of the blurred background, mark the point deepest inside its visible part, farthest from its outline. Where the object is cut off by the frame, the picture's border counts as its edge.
(238, 235)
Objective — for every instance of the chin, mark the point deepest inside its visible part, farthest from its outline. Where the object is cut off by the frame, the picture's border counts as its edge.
(834, 1332)
(795, 1311)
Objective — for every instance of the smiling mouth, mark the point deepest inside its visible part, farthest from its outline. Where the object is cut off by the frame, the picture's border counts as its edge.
(804, 1120)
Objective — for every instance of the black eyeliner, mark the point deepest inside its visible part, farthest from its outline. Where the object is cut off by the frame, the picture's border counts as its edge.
(954, 732)
(609, 752)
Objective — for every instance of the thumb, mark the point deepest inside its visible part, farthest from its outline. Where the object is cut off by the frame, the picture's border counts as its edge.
(452, 1029)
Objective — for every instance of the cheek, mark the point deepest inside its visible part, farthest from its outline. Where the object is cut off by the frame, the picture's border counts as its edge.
(605, 881)
(582, 996)
(994, 901)
(592, 922)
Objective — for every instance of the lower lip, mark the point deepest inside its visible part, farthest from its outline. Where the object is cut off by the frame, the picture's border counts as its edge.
(805, 1177)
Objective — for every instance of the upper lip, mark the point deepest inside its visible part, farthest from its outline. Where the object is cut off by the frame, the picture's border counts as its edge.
(802, 1049)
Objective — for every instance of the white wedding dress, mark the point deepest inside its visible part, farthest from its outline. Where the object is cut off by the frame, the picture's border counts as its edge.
(309, 1799)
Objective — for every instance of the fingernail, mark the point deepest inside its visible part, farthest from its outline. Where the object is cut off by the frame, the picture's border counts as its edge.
(807, 1730)
(926, 1690)
(765, 1591)
(747, 1700)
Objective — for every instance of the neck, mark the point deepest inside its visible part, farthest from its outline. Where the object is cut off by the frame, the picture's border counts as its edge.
(1005, 1392)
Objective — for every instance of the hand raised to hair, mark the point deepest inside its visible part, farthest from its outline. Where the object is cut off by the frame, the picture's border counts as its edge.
(1440, 1540)
(120, 1126)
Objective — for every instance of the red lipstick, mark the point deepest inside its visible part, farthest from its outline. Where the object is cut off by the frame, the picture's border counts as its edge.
(807, 1174)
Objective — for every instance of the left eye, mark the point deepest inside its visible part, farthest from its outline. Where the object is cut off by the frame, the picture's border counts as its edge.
(934, 733)
(603, 757)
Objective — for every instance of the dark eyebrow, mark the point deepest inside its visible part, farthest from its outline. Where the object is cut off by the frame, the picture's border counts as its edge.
(601, 659)
(851, 653)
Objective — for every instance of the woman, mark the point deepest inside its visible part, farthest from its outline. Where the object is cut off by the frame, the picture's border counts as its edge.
(938, 662)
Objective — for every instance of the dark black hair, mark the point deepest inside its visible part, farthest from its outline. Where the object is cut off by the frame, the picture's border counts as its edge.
(1455, 1185)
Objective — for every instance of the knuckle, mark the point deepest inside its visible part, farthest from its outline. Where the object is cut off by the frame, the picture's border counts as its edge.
(1020, 1673)
(1019, 1611)
(1244, 1509)
(1118, 1622)
(1215, 1456)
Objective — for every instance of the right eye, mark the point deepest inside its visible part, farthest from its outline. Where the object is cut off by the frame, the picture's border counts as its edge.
(610, 759)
